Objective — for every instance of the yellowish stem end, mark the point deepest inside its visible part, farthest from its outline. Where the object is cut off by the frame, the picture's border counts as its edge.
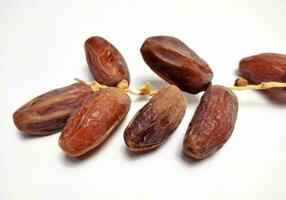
(242, 84)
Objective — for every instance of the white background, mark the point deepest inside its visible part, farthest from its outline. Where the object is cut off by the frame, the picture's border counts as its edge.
(41, 48)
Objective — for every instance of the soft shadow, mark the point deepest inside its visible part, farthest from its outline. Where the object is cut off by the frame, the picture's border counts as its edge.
(191, 99)
(236, 72)
(269, 101)
(272, 100)
(142, 98)
(136, 155)
(68, 160)
(24, 136)
(189, 160)
(194, 162)
(87, 72)
(253, 104)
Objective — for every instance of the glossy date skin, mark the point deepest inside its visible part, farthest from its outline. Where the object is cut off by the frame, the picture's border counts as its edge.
(266, 67)
(212, 124)
(48, 113)
(156, 121)
(176, 63)
(105, 62)
(94, 121)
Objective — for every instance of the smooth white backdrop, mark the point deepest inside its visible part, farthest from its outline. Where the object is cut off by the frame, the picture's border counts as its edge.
(41, 48)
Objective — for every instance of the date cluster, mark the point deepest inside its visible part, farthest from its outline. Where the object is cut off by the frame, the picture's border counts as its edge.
(86, 117)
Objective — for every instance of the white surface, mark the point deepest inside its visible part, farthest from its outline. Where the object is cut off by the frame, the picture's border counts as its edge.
(41, 48)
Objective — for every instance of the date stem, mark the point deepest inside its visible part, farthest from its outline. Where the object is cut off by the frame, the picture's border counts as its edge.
(242, 84)
(145, 89)
(123, 85)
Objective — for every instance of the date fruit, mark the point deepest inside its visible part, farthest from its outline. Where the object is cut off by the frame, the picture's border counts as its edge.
(105, 62)
(156, 121)
(212, 124)
(266, 67)
(48, 113)
(176, 63)
(94, 121)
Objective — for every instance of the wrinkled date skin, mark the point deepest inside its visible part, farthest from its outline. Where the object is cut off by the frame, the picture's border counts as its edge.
(48, 113)
(212, 124)
(156, 121)
(93, 122)
(105, 62)
(266, 67)
(176, 63)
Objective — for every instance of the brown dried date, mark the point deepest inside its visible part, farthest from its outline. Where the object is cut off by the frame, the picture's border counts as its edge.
(176, 63)
(49, 112)
(212, 124)
(94, 121)
(105, 62)
(266, 67)
(156, 121)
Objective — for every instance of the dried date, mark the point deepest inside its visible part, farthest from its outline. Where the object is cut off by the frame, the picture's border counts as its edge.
(48, 113)
(156, 121)
(266, 67)
(176, 63)
(105, 62)
(94, 121)
(212, 124)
